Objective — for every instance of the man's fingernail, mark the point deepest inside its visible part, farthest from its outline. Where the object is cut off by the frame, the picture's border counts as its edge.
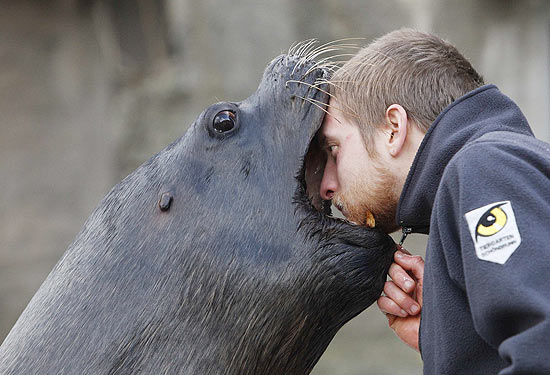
(414, 309)
(403, 313)
(408, 284)
(399, 254)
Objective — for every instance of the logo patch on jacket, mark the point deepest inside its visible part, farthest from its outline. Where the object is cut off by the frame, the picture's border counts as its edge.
(494, 231)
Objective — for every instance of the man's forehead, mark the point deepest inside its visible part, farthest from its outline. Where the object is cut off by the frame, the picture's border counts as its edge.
(332, 123)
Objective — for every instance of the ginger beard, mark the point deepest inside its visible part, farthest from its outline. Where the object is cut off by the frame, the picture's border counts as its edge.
(370, 190)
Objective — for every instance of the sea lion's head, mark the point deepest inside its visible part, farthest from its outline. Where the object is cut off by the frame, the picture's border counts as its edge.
(215, 256)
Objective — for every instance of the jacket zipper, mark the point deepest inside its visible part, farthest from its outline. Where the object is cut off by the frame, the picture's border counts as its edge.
(406, 231)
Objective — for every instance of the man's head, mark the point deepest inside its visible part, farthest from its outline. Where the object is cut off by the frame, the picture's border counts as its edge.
(384, 100)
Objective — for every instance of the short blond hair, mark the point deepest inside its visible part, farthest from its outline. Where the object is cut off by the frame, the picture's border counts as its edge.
(419, 71)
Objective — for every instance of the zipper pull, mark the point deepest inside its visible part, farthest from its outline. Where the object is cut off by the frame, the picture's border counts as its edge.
(406, 232)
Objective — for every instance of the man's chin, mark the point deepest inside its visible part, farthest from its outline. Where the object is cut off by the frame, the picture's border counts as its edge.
(377, 209)
(384, 222)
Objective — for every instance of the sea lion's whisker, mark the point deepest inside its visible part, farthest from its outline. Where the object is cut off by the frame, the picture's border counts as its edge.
(327, 59)
(332, 82)
(312, 86)
(318, 106)
(350, 46)
(297, 50)
(322, 63)
(342, 62)
(310, 47)
(316, 54)
(301, 51)
(293, 47)
(323, 49)
(310, 50)
(316, 87)
(341, 81)
(333, 67)
(328, 82)
(324, 66)
(337, 47)
(315, 101)
(299, 45)
(289, 51)
(299, 64)
(338, 41)
(349, 111)
(362, 63)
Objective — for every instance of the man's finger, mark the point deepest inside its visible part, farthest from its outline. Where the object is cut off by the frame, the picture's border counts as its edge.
(387, 306)
(413, 263)
(402, 299)
(403, 250)
(401, 278)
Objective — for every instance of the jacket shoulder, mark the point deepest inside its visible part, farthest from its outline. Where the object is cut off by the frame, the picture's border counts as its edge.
(502, 145)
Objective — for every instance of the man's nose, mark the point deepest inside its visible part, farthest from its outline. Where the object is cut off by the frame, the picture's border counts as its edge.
(329, 183)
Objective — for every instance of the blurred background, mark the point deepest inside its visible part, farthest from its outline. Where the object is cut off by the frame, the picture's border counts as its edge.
(90, 89)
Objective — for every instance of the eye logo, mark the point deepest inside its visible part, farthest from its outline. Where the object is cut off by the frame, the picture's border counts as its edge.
(494, 231)
(491, 222)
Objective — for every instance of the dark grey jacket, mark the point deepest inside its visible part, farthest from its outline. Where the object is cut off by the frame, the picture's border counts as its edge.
(480, 187)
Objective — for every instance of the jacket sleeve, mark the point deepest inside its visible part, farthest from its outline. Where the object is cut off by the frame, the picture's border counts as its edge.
(497, 205)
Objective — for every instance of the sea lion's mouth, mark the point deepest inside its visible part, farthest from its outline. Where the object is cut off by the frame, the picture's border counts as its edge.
(313, 169)
(309, 179)
(318, 212)
(311, 172)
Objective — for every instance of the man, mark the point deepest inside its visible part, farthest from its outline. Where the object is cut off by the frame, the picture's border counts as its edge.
(416, 139)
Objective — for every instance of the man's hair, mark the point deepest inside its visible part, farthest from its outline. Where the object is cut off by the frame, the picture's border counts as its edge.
(419, 71)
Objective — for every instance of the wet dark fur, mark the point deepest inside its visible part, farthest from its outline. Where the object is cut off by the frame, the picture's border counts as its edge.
(240, 276)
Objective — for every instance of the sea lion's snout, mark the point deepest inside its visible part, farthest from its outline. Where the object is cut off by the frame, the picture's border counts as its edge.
(299, 87)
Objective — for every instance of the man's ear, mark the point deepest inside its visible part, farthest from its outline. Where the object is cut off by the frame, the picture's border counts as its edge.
(397, 123)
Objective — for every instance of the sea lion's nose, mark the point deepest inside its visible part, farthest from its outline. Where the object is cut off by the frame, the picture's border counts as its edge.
(329, 183)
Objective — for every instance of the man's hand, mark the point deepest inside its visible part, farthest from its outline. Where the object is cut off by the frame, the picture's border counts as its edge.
(402, 301)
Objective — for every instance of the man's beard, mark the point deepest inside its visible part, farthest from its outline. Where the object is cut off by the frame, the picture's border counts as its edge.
(376, 194)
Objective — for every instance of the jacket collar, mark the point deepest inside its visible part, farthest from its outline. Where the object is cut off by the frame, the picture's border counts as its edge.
(481, 111)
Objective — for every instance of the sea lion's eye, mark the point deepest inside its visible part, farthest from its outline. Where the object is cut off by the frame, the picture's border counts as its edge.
(224, 121)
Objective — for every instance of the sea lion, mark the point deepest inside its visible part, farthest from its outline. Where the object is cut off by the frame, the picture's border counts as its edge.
(213, 257)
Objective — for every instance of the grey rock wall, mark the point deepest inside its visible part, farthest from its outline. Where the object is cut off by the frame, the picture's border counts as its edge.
(55, 147)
